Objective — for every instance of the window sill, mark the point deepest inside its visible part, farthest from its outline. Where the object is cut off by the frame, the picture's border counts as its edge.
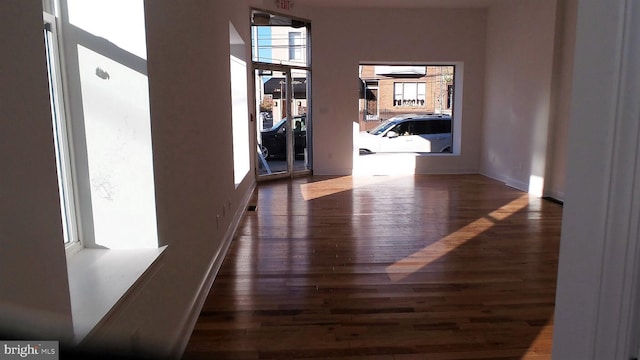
(100, 278)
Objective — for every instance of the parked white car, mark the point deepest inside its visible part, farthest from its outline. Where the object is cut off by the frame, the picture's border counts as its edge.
(408, 133)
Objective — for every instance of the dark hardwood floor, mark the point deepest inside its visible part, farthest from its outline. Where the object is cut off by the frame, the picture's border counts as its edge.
(424, 267)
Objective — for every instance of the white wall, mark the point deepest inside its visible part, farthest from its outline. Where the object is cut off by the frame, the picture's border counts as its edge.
(190, 98)
(343, 37)
(520, 45)
(34, 292)
(561, 98)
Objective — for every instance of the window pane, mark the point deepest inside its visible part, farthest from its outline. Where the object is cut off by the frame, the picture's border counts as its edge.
(114, 92)
(97, 18)
(398, 90)
(397, 97)
(118, 136)
(280, 40)
(425, 97)
(239, 108)
(410, 91)
(295, 46)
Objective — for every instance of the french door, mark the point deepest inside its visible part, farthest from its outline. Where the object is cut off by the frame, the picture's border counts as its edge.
(283, 145)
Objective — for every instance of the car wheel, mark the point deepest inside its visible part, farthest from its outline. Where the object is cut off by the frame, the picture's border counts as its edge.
(447, 149)
(264, 151)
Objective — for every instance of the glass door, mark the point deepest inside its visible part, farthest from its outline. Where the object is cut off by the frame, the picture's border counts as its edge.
(282, 145)
(299, 104)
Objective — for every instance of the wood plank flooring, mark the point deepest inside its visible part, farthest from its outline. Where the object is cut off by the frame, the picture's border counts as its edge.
(417, 267)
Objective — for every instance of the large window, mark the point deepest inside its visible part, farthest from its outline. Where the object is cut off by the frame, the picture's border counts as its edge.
(239, 107)
(105, 132)
(407, 108)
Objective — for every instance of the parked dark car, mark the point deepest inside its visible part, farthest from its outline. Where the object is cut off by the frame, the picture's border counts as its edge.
(274, 140)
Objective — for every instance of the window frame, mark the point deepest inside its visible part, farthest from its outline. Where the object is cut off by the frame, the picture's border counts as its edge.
(373, 86)
(61, 133)
(419, 96)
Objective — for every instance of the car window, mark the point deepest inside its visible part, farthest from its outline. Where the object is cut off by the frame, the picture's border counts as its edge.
(382, 127)
(432, 127)
(277, 125)
(443, 126)
(427, 127)
(404, 128)
(422, 127)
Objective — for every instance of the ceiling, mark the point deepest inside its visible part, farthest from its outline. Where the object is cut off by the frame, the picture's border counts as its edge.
(277, 20)
(396, 3)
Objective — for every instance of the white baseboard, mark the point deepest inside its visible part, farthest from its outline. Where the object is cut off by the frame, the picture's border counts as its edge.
(332, 172)
(558, 195)
(183, 333)
(516, 184)
(523, 186)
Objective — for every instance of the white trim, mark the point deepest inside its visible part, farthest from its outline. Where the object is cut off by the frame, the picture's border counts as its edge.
(596, 314)
(517, 184)
(508, 181)
(183, 332)
(619, 277)
(101, 279)
(64, 138)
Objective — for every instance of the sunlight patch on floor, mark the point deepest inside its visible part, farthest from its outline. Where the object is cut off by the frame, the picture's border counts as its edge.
(420, 259)
(318, 189)
(385, 164)
(540, 347)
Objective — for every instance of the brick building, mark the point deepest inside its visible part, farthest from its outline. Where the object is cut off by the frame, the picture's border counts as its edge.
(387, 91)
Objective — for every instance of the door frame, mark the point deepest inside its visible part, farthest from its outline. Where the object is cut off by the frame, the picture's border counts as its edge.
(290, 153)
